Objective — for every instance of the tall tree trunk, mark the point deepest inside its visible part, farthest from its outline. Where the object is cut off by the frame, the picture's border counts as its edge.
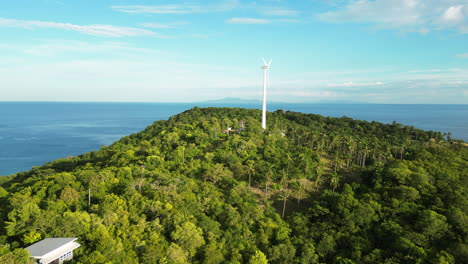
(364, 160)
(284, 206)
(183, 154)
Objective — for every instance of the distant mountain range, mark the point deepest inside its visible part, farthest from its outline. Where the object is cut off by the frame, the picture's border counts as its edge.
(233, 100)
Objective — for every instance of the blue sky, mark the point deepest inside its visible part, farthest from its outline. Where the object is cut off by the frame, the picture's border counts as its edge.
(380, 51)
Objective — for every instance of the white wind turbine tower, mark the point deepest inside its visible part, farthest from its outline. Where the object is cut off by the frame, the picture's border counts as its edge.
(266, 81)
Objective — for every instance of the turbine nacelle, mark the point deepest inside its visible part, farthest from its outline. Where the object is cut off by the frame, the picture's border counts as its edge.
(265, 64)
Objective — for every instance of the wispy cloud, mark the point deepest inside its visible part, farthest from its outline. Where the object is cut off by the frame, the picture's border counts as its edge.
(464, 55)
(182, 8)
(250, 20)
(453, 14)
(451, 70)
(459, 82)
(58, 47)
(307, 94)
(286, 20)
(277, 11)
(95, 30)
(352, 84)
(406, 15)
(424, 71)
(247, 20)
(163, 9)
(164, 25)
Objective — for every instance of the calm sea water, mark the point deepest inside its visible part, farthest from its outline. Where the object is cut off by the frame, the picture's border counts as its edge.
(33, 133)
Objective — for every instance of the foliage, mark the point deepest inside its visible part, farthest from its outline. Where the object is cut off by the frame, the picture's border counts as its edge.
(309, 189)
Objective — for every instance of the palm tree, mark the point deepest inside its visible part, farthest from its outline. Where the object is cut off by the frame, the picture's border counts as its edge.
(288, 159)
(334, 181)
(140, 182)
(305, 160)
(284, 195)
(284, 178)
(268, 177)
(319, 172)
(250, 170)
(312, 142)
(300, 192)
(351, 144)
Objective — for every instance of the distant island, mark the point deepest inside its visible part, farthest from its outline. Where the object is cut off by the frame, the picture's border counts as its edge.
(231, 100)
(234, 100)
(210, 186)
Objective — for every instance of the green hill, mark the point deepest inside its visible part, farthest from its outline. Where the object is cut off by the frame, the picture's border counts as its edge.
(310, 189)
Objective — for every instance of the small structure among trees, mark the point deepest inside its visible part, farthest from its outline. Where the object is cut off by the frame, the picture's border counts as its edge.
(53, 250)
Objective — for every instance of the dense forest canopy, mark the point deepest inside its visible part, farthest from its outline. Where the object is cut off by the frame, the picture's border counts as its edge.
(209, 186)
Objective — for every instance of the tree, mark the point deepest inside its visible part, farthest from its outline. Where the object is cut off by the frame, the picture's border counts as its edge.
(69, 195)
(189, 208)
(250, 170)
(17, 256)
(31, 237)
(217, 172)
(300, 190)
(177, 255)
(258, 258)
(189, 237)
(213, 254)
(140, 182)
(334, 181)
(268, 178)
(284, 195)
(319, 172)
(288, 161)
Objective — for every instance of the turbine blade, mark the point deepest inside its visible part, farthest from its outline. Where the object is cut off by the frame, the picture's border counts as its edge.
(269, 62)
(263, 59)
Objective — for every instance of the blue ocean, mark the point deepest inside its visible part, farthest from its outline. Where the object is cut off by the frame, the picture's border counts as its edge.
(33, 133)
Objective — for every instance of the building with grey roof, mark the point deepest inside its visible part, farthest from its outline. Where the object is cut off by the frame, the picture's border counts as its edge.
(53, 250)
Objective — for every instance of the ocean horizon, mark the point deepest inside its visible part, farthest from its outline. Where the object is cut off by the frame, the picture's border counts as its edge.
(34, 133)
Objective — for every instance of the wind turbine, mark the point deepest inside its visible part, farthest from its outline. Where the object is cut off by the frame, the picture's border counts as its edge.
(266, 81)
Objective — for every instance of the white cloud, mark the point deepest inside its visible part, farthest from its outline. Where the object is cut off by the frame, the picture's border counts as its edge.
(164, 25)
(315, 94)
(125, 79)
(58, 47)
(157, 76)
(453, 14)
(227, 5)
(280, 12)
(95, 30)
(392, 12)
(285, 20)
(407, 15)
(437, 71)
(182, 8)
(246, 20)
(249, 20)
(459, 82)
(352, 84)
(431, 70)
(464, 55)
(163, 9)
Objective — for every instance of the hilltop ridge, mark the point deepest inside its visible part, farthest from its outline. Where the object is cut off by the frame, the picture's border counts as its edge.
(309, 189)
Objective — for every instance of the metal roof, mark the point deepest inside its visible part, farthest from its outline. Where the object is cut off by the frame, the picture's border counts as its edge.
(48, 245)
